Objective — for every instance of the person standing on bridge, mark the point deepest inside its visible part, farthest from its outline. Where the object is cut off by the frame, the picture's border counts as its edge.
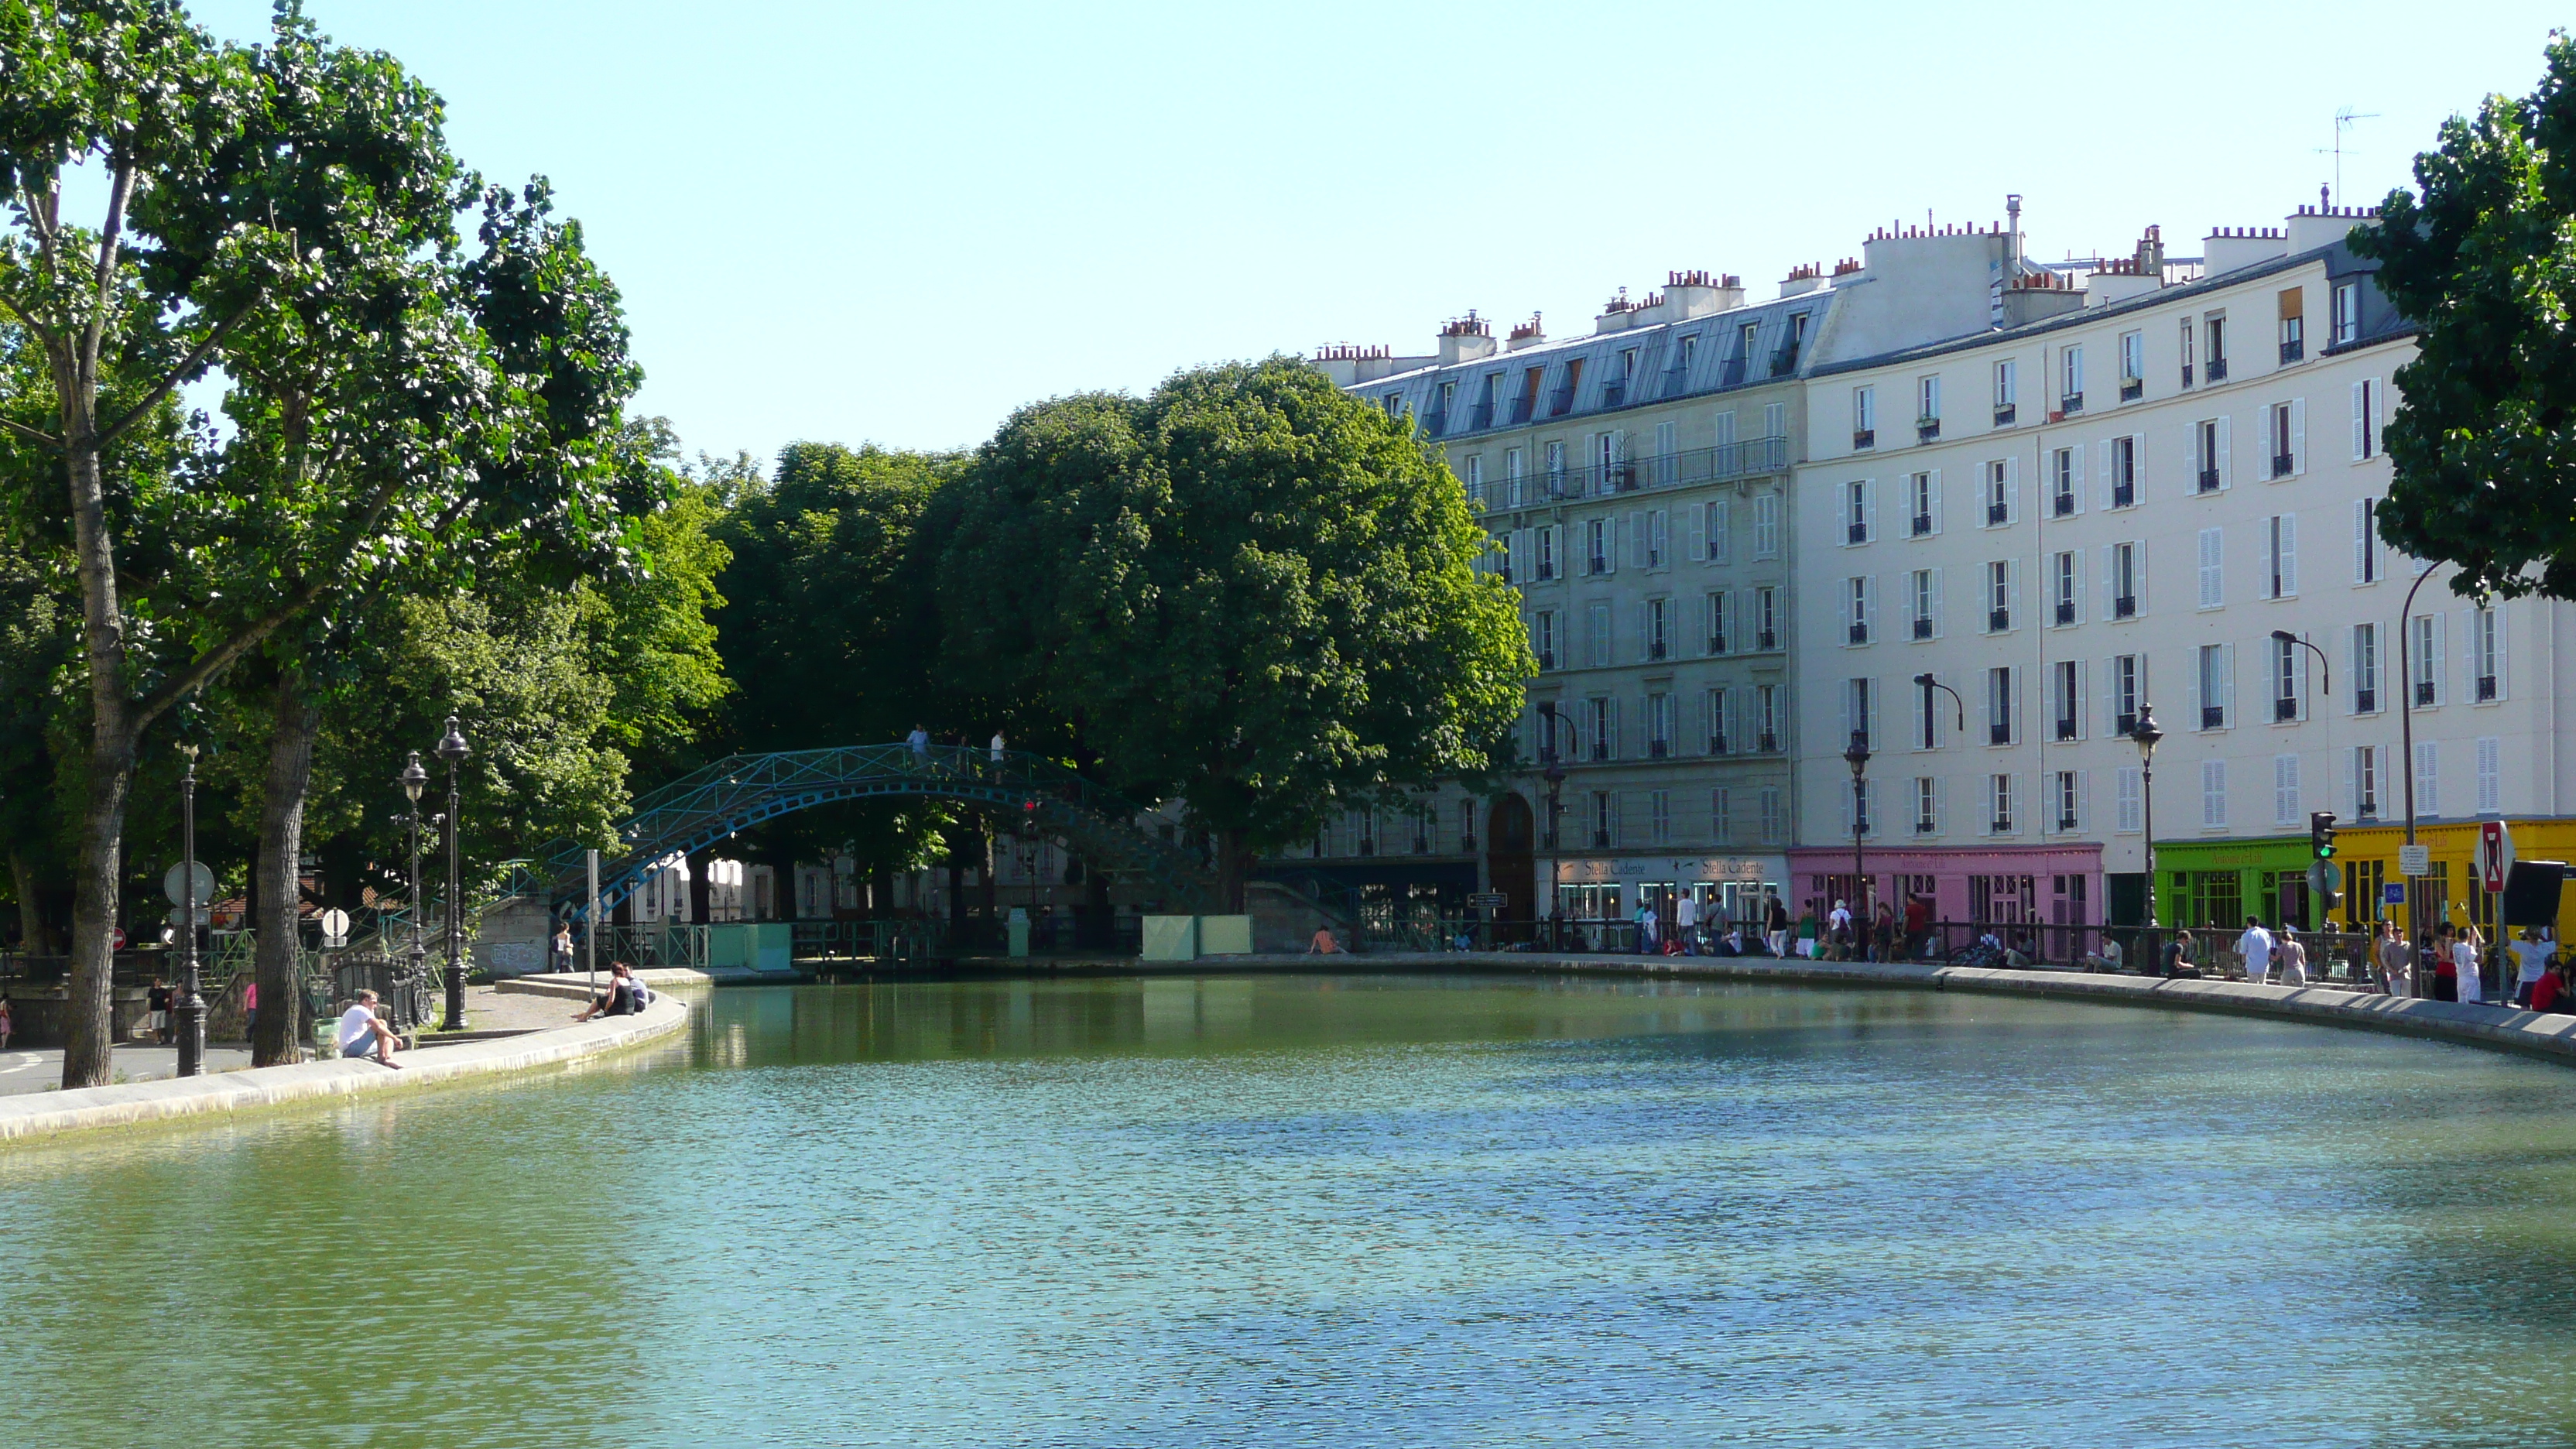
(919, 739)
(998, 748)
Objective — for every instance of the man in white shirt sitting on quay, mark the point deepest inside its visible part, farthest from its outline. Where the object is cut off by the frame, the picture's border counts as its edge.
(361, 1035)
(2256, 947)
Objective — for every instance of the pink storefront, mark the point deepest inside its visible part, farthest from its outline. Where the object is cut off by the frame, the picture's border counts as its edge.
(2059, 885)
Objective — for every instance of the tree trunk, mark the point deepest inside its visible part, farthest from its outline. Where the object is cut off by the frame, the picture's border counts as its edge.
(32, 936)
(1233, 868)
(276, 906)
(97, 874)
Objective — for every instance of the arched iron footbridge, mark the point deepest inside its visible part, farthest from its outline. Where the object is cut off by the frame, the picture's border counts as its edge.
(711, 803)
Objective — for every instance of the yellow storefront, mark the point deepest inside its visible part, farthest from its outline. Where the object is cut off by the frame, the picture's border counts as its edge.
(2368, 855)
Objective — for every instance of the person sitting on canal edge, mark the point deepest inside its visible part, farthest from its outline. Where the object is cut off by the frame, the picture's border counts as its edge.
(1323, 943)
(362, 1035)
(8, 1022)
(2177, 957)
(2551, 988)
(625, 995)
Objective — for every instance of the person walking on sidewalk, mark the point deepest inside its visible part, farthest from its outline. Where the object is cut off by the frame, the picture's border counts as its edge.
(2293, 958)
(2256, 947)
(2395, 961)
(1775, 923)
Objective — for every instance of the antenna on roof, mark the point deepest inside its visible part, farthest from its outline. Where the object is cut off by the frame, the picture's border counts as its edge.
(2343, 122)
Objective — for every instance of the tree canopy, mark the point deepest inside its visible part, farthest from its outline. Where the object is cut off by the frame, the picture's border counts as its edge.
(1247, 589)
(2483, 263)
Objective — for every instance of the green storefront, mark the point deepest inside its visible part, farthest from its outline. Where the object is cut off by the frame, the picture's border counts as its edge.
(2216, 884)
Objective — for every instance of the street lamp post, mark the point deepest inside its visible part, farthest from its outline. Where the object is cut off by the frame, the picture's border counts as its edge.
(413, 780)
(2146, 733)
(451, 748)
(1857, 756)
(192, 1001)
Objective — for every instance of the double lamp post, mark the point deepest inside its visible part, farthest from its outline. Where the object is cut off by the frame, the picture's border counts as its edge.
(414, 779)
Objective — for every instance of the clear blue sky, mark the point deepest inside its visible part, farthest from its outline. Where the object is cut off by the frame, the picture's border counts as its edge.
(896, 223)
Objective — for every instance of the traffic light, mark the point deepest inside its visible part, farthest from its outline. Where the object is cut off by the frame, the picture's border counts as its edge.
(2321, 834)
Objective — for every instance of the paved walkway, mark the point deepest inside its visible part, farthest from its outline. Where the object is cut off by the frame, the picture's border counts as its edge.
(485, 1010)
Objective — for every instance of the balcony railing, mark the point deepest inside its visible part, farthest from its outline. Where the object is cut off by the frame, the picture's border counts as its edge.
(2124, 495)
(2063, 505)
(1560, 402)
(1926, 429)
(1547, 659)
(1860, 633)
(2285, 709)
(1601, 840)
(1657, 749)
(2218, 369)
(1717, 744)
(1753, 458)
(2065, 611)
(1922, 525)
(1766, 641)
(1857, 533)
(2486, 688)
(1922, 628)
(1614, 392)
(2005, 414)
(1768, 744)
(1597, 565)
(2208, 480)
(1676, 381)
(1480, 416)
(2131, 389)
(1521, 409)
(1784, 360)
(1732, 374)
(2213, 716)
(1923, 826)
(2125, 723)
(1999, 734)
(2365, 701)
(2423, 694)
(1997, 513)
(1600, 749)
(1998, 620)
(2186, 374)
(2283, 464)
(2066, 727)
(2003, 825)
(1864, 438)
(2293, 350)
(2071, 404)
(2125, 607)
(1546, 570)
(1716, 643)
(1655, 650)
(2065, 822)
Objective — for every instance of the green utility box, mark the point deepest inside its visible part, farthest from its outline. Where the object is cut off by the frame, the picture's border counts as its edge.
(1225, 935)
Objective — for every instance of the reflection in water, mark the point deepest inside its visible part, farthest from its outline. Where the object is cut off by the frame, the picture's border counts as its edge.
(1338, 1210)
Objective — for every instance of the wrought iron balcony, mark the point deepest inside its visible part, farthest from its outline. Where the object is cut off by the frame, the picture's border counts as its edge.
(2423, 694)
(1997, 513)
(1716, 643)
(2486, 688)
(1480, 416)
(1768, 744)
(2065, 611)
(2131, 389)
(2071, 404)
(2066, 727)
(1766, 641)
(2208, 480)
(2062, 504)
(2186, 374)
(1614, 392)
(1784, 360)
(1860, 633)
(2125, 607)
(1657, 749)
(1924, 826)
(2293, 350)
(1521, 409)
(1676, 381)
(2285, 709)
(1560, 402)
(2006, 414)
(2283, 464)
(1922, 628)
(2213, 716)
(1999, 734)
(1717, 744)
(2365, 701)
(1998, 620)
(2124, 495)
(1857, 532)
(1926, 429)
(2003, 825)
(2218, 369)
(1864, 438)
(1922, 525)
(2065, 822)
(2126, 723)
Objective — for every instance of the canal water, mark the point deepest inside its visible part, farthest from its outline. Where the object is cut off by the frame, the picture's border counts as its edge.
(1332, 1210)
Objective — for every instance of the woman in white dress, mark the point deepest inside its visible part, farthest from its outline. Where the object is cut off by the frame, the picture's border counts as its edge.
(2467, 954)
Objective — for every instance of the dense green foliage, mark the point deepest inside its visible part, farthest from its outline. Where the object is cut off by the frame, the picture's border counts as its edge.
(2483, 262)
(1248, 589)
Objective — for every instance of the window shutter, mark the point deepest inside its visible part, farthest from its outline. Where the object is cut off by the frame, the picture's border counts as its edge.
(2109, 569)
(1699, 533)
(2289, 555)
(2083, 699)
(2441, 678)
(1846, 694)
(1940, 802)
(2298, 435)
(1936, 603)
(1721, 531)
(1663, 543)
(2138, 567)
(2360, 421)
(1637, 539)
(2084, 799)
(2075, 469)
(2012, 490)
(1870, 720)
(1869, 507)
(2351, 796)
(2502, 622)
(2227, 681)
(2199, 697)
(2360, 539)
(2105, 469)
(1843, 610)
(2226, 474)
(1933, 486)
(1612, 733)
(1610, 544)
(2012, 576)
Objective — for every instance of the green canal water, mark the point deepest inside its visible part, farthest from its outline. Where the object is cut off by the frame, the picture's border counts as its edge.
(1321, 1210)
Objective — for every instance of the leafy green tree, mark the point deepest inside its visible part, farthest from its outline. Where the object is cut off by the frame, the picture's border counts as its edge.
(2483, 263)
(1248, 589)
(286, 214)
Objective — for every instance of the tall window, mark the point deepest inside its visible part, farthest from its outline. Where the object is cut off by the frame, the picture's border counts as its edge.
(1717, 623)
(1658, 642)
(2062, 587)
(1864, 417)
(1766, 525)
(2070, 379)
(2007, 390)
(2365, 540)
(2365, 668)
(2281, 550)
(1856, 695)
(1999, 790)
(2285, 789)
(2426, 658)
(2486, 654)
(1927, 805)
(2206, 435)
(2294, 325)
(2063, 680)
(2213, 686)
(1546, 542)
(2070, 800)
(1923, 500)
(2281, 421)
(1999, 706)
(1476, 479)
(1927, 402)
(2214, 333)
(1856, 511)
(1659, 725)
(1766, 618)
(2124, 472)
(1998, 493)
(2289, 662)
(2347, 313)
(1543, 637)
(2126, 682)
(2365, 782)
(1512, 477)
(1721, 735)
(2124, 580)
(1858, 605)
(1766, 708)
(1999, 595)
(1920, 589)
(2061, 482)
(2366, 405)
(2133, 362)
(1721, 532)
(2186, 351)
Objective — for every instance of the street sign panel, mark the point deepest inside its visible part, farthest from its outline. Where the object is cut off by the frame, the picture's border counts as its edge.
(2392, 894)
(1488, 900)
(178, 917)
(2495, 856)
(2414, 860)
(174, 883)
(335, 927)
